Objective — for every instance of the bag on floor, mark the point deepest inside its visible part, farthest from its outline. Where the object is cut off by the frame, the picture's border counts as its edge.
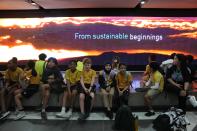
(172, 120)
(124, 119)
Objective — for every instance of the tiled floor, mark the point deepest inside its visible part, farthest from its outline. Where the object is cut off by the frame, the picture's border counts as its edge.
(96, 122)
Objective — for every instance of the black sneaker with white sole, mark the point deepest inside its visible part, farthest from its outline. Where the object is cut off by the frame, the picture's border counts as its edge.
(150, 113)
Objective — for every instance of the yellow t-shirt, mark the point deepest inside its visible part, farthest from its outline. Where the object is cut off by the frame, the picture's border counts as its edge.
(73, 77)
(158, 78)
(88, 75)
(14, 75)
(79, 66)
(40, 66)
(32, 79)
(123, 80)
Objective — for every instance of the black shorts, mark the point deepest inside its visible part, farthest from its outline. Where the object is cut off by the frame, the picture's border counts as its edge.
(30, 90)
(81, 90)
(57, 88)
(74, 87)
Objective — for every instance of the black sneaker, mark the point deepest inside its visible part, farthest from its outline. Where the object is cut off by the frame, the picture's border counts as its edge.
(44, 115)
(150, 113)
(81, 117)
(111, 115)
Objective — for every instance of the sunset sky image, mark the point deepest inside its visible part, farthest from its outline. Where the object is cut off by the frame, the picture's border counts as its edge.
(26, 38)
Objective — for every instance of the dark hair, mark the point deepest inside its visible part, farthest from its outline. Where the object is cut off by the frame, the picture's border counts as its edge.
(116, 58)
(73, 61)
(31, 65)
(53, 60)
(182, 60)
(87, 61)
(42, 56)
(152, 57)
(189, 58)
(172, 55)
(122, 64)
(154, 66)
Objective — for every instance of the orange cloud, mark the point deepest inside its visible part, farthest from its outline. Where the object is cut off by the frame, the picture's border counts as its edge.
(140, 22)
(192, 35)
(26, 52)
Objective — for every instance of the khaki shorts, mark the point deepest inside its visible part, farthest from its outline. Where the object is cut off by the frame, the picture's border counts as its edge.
(153, 92)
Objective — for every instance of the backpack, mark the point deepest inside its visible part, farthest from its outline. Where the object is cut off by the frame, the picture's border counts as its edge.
(172, 120)
(124, 119)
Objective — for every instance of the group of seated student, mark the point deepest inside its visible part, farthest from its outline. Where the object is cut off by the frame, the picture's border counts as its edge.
(114, 80)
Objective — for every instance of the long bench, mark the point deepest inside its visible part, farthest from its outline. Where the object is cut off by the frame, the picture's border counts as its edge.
(136, 99)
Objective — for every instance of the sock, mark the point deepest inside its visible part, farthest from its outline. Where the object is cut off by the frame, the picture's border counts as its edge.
(63, 109)
(43, 110)
(151, 110)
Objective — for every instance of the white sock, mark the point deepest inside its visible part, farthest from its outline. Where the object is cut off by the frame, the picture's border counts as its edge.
(63, 109)
(43, 110)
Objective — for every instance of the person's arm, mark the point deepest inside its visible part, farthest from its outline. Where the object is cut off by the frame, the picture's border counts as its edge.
(169, 78)
(92, 81)
(117, 83)
(148, 82)
(128, 83)
(101, 81)
(155, 86)
(186, 86)
(173, 82)
(82, 83)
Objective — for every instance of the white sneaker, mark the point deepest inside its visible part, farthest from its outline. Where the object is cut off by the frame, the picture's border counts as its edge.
(5, 114)
(61, 114)
(69, 113)
(20, 115)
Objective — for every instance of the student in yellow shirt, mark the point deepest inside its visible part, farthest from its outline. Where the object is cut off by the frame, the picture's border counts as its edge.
(107, 85)
(123, 83)
(156, 85)
(40, 64)
(32, 80)
(13, 75)
(146, 75)
(87, 89)
(72, 77)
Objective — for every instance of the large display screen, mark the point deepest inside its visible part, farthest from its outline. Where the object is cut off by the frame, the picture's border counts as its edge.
(133, 39)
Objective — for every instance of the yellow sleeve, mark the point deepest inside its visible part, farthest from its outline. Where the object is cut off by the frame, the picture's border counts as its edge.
(130, 77)
(7, 75)
(66, 76)
(78, 75)
(157, 78)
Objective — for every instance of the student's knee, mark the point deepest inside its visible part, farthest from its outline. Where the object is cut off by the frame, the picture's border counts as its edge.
(17, 96)
(74, 93)
(183, 93)
(92, 95)
(82, 96)
(16, 92)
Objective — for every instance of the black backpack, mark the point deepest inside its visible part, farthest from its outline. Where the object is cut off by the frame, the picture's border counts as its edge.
(162, 123)
(124, 120)
(172, 120)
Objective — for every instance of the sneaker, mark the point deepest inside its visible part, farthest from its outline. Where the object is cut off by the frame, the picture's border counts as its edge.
(20, 115)
(82, 117)
(4, 114)
(61, 115)
(69, 113)
(111, 115)
(44, 115)
(150, 113)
